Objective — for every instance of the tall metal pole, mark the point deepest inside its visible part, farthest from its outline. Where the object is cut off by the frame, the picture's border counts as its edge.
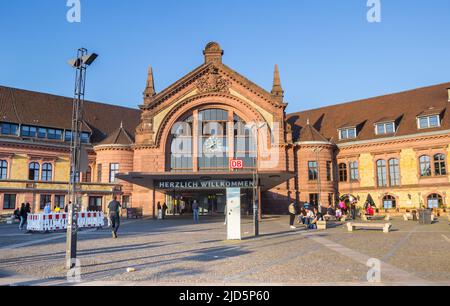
(255, 188)
(75, 156)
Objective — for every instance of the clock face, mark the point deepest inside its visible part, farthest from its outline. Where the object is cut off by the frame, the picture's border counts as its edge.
(213, 145)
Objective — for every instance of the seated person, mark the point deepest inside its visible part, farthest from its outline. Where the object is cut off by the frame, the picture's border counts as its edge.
(331, 213)
(316, 217)
(338, 214)
(370, 211)
(309, 217)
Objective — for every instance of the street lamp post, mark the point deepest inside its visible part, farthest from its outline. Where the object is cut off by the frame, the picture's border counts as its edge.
(256, 194)
(80, 63)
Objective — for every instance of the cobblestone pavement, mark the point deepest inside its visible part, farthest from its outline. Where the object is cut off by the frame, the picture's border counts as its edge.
(175, 251)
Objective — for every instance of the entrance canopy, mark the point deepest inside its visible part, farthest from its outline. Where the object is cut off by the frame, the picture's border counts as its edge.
(167, 182)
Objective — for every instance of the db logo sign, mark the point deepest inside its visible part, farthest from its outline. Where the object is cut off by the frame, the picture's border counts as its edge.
(236, 164)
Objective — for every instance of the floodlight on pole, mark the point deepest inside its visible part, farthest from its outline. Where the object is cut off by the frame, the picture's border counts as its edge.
(80, 63)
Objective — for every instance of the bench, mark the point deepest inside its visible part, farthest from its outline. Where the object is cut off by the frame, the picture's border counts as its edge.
(386, 227)
(375, 218)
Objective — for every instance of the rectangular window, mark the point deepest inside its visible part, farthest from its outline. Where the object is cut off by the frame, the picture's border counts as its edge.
(113, 170)
(9, 129)
(28, 131)
(385, 128)
(3, 169)
(68, 136)
(99, 173)
(42, 133)
(9, 201)
(428, 122)
(313, 171)
(394, 172)
(125, 202)
(60, 201)
(382, 173)
(54, 134)
(329, 174)
(85, 137)
(354, 171)
(347, 133)
(45, 199)
(314, 199)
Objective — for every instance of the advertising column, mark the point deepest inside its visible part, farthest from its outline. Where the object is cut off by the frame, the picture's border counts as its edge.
(234, 214)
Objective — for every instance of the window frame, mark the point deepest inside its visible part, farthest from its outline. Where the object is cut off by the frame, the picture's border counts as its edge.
(382, 173)
(394, 172)
(47, 172)
(313, 170)
(3, 169)
(113, 172)
(36, 170)
(422, 163)
(440, 166)
(428, 118)
(343, 172)
(9, 196)
(385, 129)
(347, 135)
(354, 171)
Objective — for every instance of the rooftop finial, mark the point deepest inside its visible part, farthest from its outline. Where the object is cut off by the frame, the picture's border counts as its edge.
(150, 88)
(213, 53)
(277, 90)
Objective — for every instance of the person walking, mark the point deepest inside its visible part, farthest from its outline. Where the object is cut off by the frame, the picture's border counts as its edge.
(114, 209)
(164, 210)
(159, 210)
(293, 212)
(23, 216)
(195, 211)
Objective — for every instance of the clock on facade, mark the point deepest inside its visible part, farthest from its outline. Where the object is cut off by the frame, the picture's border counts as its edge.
(214, 145)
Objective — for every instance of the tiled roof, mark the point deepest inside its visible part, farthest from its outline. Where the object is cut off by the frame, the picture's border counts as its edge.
(46, 110)
(401, 107)
(118, 137)
(310, 134)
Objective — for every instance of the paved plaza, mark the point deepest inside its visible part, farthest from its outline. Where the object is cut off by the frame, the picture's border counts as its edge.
(174, 252)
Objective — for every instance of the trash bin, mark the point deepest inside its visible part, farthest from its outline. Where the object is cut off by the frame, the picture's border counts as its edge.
(425, 216)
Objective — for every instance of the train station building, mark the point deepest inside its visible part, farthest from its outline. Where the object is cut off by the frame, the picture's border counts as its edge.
(214, 129)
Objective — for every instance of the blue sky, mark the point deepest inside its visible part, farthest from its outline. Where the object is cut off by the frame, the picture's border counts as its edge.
(327, 51)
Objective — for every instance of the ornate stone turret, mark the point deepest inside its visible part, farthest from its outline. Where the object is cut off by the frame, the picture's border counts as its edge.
(277, 90)
(149, 91)
(213, 53)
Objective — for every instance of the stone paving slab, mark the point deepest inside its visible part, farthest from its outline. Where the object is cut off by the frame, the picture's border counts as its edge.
(175, 251)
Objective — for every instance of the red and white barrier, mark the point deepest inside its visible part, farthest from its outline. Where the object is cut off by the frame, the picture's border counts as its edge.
(58, 221)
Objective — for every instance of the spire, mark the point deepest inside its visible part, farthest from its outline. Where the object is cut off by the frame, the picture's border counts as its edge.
(150, 88)
(277, 90)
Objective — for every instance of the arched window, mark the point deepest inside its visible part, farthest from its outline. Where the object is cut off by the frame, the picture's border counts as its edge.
(425, 165)
(381, 173)
(389, 202)
(214, 132)
(439, 165)
(47, 172)
(3, 169)
(33, 171)
(434, 201)
(343, 177)
(394, 172)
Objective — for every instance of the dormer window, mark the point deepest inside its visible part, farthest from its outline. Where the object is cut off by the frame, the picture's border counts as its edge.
(385, 128)
(428, 122)
(347, 133)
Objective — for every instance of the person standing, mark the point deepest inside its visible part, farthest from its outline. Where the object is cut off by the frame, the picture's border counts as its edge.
(47, 209)
(195, 211)
(114, 209)
(159, 210)
(293, 212)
